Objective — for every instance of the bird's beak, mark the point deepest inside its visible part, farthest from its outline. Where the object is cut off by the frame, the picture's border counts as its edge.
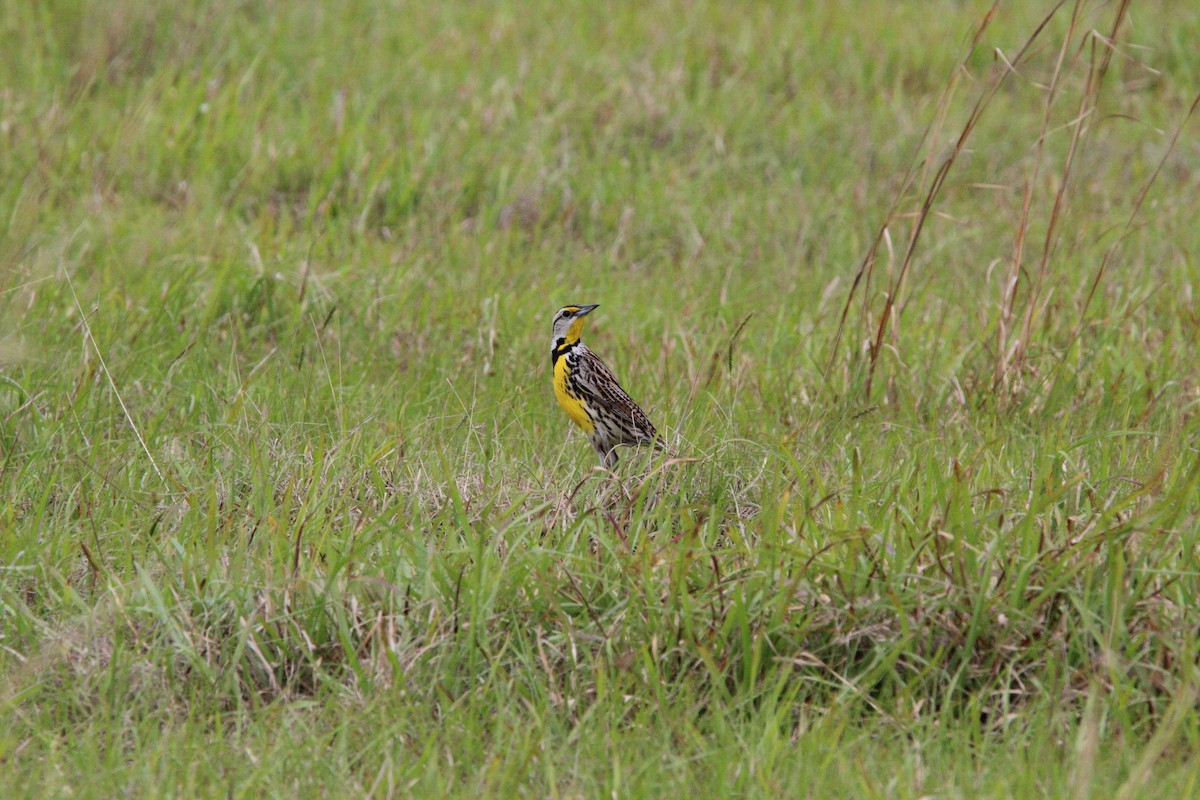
(586, 309)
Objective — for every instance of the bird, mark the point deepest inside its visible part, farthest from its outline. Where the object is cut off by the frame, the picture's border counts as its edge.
(588, 391)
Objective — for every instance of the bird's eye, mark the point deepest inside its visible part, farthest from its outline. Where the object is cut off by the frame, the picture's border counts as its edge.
(568, 314)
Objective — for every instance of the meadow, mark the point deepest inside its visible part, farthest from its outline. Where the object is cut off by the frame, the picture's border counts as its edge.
(287, 508)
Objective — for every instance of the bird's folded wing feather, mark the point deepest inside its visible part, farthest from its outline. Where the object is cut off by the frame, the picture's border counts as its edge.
(595, 373)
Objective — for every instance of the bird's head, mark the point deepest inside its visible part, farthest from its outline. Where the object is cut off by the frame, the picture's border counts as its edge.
(568, 324)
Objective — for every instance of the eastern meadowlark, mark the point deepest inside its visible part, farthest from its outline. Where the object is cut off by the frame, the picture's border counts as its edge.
(589, 393)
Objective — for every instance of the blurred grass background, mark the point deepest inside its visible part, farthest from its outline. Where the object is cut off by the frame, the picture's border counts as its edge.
(288, 507)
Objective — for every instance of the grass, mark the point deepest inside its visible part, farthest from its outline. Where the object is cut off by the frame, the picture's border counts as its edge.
(287, 506)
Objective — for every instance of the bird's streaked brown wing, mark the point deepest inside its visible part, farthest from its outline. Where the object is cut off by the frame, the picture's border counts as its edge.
(598, 379)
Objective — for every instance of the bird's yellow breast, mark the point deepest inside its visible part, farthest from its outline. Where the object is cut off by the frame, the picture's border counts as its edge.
(571, 404)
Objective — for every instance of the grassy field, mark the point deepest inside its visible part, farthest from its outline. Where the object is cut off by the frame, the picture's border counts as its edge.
(287, 508)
